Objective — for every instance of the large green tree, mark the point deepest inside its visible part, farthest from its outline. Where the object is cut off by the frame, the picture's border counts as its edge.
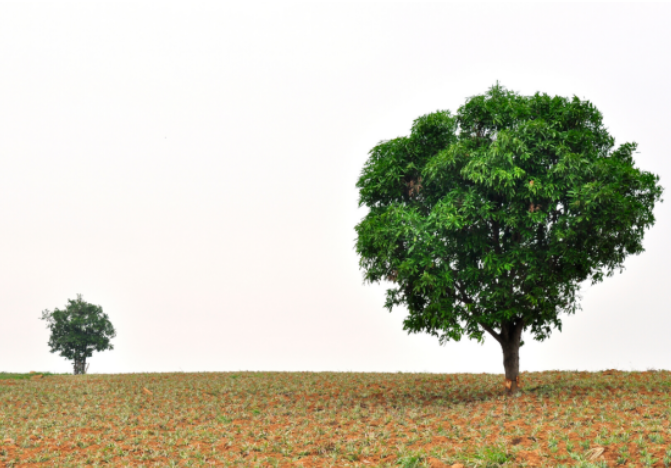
(78, 330)
(489, 220)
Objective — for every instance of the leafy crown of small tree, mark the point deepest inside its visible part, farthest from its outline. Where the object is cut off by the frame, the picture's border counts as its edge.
(79, 329)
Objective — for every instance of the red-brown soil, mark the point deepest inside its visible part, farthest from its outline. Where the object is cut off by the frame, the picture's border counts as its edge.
(336, 419)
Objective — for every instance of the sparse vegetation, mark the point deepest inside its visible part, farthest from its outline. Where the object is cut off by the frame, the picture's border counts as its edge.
(266, 419)
(10, 375)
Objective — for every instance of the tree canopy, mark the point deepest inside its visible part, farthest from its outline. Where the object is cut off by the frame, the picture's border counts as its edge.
(490, 219)
(79, 330)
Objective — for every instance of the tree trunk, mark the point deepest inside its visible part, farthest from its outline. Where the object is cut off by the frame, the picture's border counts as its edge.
(80, 365)
(511, 364)
(509, 338)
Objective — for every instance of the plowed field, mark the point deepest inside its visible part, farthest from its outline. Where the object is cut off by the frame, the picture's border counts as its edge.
(269, 419)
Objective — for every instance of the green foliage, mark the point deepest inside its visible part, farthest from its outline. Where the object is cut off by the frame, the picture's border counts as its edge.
(78, 330)
(492, 457)
(14, 376)
(410, 461)
(495, 215)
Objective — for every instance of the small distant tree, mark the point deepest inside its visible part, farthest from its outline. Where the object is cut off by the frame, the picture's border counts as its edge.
(489, 220)
(78, 330)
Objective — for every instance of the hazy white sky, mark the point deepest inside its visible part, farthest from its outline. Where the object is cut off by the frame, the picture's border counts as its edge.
(191, 167)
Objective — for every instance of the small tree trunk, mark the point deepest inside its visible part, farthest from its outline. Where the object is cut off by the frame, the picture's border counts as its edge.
(511, 364)
(80, 365)
(509, 338)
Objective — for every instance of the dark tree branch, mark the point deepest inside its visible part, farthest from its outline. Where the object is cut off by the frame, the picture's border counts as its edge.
(497, 242)
(491, 331)
(467, 300)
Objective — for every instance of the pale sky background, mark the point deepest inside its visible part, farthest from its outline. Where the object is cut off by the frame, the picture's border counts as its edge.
(191, 167)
